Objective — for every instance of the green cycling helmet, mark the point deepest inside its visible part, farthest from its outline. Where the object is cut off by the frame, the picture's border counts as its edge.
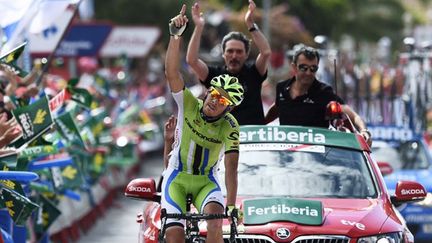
(231, 86)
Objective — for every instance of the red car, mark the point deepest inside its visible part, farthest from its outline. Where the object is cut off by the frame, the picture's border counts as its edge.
(303, 185)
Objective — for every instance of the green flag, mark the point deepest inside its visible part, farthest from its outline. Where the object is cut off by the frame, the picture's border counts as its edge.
(11, 184)
(122, 156)
(94, 125)
(68, 129)
(81, 158)
(67, 177)
(11, 58)
(56, 175)
(19, 207)
(38, 151)
(22, 164)
(47, 214)
(41, 187)
(98, 163)
(72, 176)
(10, 159)
(34, 120)
(41, 141)
(81, 96)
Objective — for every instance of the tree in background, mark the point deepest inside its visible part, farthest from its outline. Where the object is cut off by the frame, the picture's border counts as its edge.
(291, 22)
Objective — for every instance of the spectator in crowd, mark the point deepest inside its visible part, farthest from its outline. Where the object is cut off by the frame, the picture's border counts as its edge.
(169, 129)
(235, 47)
(9, 130)
(12, 86)
(302, 99)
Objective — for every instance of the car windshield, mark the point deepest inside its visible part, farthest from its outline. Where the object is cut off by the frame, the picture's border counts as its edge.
(406, 155)
(305, 171)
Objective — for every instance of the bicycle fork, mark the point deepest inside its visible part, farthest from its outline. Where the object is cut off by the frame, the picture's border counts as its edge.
(163, 222)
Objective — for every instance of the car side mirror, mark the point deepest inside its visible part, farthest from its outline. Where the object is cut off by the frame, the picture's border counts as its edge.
(142, 188)
(408, 191)
(385, 168)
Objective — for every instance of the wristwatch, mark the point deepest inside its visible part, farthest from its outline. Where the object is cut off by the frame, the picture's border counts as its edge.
(253, 28)
(366, 131)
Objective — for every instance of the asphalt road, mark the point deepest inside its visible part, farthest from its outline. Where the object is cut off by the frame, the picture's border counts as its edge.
(118, 225)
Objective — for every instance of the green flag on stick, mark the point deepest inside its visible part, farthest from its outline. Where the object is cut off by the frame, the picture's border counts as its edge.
(47, 214)
(9, 159)
(18, 206)
(68, 129)
(79, 95)
(34, 119)
(11, 184)
(10, 59)
(38, 151)
(72, 176)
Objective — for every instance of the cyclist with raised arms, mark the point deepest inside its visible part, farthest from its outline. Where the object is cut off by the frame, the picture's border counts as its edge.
(205, 131)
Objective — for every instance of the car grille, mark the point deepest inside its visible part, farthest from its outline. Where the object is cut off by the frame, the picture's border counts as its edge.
(321, 239)
(251, 239)
(301, 239)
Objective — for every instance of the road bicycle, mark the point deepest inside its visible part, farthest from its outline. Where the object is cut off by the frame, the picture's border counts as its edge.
(192, 233)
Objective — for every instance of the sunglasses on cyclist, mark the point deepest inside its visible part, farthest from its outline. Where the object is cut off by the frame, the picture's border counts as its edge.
(303, 68)
(215, 94)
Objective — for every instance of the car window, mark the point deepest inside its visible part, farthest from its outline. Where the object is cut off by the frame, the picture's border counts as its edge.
(406, 155)
(384, 152)
(413, 155)
(332, 172)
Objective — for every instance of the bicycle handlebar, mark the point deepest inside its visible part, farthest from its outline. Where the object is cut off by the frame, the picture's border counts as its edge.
(193, 216)
(200, 216)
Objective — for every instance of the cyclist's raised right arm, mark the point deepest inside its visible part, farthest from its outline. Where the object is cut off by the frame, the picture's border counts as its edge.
(172, 59)
(198, 65)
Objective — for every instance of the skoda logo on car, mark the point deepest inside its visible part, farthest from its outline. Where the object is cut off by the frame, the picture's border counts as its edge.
(139, 189)
(412, 191)
(282, 233)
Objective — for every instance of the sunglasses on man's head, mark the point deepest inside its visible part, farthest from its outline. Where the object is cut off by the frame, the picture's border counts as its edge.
(219, 97)
(304, 68)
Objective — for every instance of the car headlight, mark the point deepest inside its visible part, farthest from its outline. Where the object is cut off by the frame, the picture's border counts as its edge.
(384, 238)
(427, 202)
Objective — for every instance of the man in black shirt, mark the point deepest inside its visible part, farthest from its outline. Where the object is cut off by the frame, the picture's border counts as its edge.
(302, 99)
(235, 48)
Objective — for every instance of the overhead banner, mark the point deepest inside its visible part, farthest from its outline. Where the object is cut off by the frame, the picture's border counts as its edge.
(84, 40)
(133, 41)
(80, 40)
(45, 42)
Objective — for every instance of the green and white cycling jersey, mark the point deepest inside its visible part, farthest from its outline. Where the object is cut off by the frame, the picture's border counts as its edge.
(199, 144)
(197, 151)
